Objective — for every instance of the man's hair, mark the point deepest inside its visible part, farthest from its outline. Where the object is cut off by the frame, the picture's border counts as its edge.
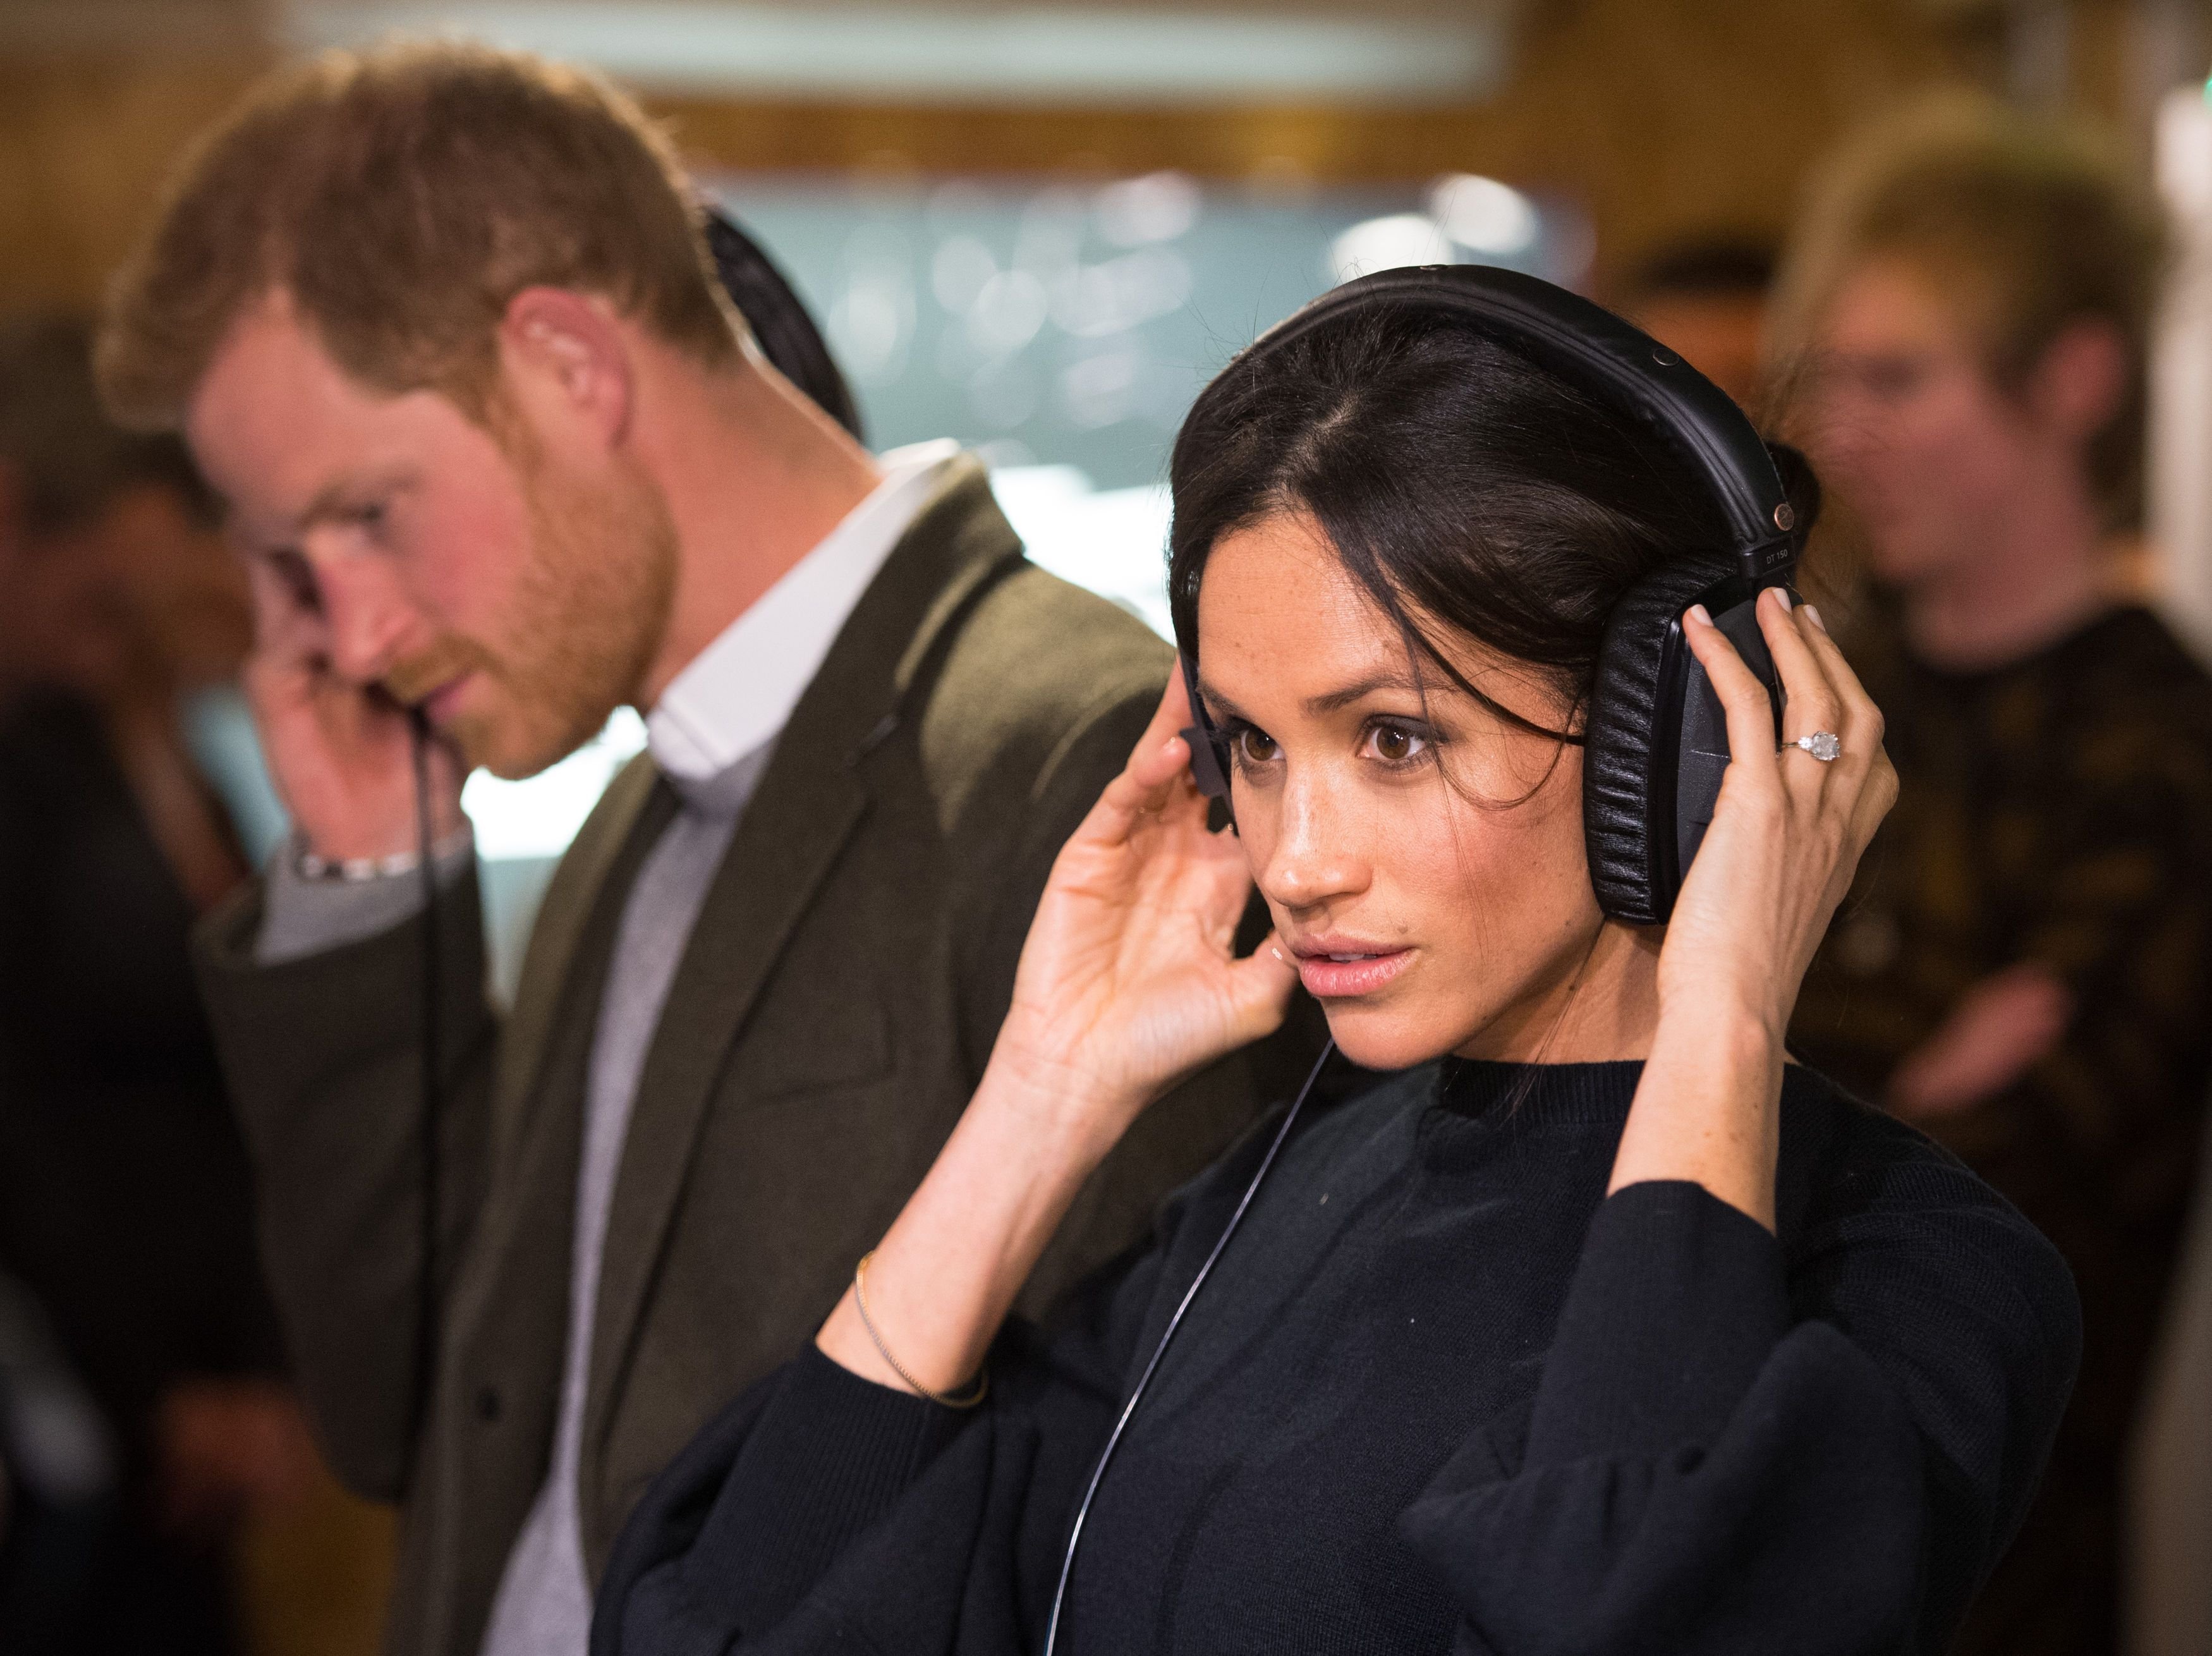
(64, 459)
(2027, 227)
(401, 197)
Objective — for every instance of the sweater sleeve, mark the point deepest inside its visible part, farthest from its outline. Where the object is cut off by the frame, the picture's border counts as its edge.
(823, 1512)
(1724, 1454)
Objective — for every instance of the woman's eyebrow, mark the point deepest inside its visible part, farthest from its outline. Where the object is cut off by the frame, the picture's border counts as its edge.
(1331, 701)
(1218, 706)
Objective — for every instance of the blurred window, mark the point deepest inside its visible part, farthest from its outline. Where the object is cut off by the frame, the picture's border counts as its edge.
(1072, 323)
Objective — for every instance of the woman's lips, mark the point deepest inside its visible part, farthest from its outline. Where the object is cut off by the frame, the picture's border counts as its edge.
(1336, 973)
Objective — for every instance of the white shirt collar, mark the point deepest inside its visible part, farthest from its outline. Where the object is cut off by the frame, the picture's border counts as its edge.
(738, 693)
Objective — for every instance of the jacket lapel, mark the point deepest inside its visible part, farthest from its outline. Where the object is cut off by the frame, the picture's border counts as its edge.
(550, 961)
(810, 801)
(510, 1307)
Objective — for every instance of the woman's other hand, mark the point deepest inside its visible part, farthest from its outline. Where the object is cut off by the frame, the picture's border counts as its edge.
(1129, 981)
(1785, 840)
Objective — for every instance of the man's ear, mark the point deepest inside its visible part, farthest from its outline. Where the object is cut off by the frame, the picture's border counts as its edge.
(2077, 386)
(566, 361)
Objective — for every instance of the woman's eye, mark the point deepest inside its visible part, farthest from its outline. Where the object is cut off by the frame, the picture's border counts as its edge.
(1396, 744)
(1253, 747)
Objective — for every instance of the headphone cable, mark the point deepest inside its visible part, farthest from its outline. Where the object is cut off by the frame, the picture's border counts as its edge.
(1151, 1368)
(426, 1309)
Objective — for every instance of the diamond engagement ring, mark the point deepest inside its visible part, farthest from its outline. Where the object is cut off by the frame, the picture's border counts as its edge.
(1823, 745)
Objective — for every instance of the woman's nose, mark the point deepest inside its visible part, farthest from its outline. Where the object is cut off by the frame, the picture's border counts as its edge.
(1314, 858)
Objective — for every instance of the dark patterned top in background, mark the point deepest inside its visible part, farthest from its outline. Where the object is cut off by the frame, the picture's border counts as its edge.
(2056, 811)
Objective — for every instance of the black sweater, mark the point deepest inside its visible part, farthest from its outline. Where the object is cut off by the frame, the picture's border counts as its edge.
(1441, 1395)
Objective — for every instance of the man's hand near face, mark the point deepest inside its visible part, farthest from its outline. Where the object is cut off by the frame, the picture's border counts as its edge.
(341, 754)
(1999, 1032)
(228, 1450)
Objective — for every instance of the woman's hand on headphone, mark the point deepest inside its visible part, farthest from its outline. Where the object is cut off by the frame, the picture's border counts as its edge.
(1129, 981)
(1790, 829)
(1785, 840)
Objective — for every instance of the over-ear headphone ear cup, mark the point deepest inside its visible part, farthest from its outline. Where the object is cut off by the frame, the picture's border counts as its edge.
(1630, 737)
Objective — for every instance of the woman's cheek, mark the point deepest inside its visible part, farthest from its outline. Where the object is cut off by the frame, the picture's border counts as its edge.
(1457, 902)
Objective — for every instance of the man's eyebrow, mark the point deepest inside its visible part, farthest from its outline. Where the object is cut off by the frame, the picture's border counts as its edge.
(328, 503)
(333, 498)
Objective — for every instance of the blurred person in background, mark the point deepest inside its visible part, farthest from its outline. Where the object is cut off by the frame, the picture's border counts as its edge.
(2025, 970)
(125, 1203)
(1706, 300)
(523, 466)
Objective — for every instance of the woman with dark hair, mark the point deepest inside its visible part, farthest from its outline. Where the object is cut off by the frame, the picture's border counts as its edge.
(1592, 1324)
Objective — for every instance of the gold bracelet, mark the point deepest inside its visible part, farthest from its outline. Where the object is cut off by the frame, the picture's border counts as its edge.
(861, 1300)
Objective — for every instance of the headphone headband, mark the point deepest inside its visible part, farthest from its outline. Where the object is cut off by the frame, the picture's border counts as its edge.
(1620, 365)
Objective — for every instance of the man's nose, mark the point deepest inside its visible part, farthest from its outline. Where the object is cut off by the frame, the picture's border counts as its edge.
(368, 617)
(1315, 859)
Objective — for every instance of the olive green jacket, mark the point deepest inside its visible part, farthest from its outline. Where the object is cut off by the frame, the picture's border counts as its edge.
(831, 1014)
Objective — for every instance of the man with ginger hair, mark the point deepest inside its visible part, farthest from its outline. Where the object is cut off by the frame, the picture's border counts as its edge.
(438, 324)
(2025, 969)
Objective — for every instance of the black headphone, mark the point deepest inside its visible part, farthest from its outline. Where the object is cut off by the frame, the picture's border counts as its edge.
(782, 325)
(1655, 739)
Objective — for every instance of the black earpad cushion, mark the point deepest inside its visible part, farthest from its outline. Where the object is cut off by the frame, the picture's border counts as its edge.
(1623, 798)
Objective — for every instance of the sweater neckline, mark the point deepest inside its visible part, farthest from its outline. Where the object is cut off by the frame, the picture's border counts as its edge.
(1530, 1093)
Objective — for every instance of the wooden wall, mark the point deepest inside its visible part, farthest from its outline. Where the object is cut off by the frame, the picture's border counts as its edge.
(1663, 117)
(84, 147)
